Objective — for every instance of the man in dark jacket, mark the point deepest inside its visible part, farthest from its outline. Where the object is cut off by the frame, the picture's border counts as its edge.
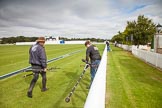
(38, 62)
(95, 58)
(108, 45)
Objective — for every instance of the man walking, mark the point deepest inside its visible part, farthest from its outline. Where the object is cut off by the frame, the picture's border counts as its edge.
(38, 62)
(95, 58)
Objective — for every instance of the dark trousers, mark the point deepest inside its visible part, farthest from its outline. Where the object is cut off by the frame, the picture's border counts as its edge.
(93, 69)
(35, 78)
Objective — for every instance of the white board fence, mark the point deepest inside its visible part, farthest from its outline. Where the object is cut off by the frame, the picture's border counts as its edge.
(96, 95)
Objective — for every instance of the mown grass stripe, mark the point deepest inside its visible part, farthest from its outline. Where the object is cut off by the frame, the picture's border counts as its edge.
(14, 89)
(49, 61)
(131, 83)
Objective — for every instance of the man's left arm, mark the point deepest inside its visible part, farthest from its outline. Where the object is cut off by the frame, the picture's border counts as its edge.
(43, 58)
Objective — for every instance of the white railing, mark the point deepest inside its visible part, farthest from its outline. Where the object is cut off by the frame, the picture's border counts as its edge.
(96, 95)
(149, 57)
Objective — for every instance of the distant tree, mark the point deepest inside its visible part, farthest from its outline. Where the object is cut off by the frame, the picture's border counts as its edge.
(3, 40)
(12, 40)
(118, 38)
(145, 30)
(32, 39)
(142, 31)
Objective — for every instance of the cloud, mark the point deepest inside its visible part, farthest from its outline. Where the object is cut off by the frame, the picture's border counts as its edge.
(80, 18)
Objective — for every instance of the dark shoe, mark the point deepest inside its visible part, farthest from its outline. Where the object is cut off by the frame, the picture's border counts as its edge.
(44, 89)
(29, 94)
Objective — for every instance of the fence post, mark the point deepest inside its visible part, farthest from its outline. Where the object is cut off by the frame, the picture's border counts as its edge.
(156, 59)
(146, 56)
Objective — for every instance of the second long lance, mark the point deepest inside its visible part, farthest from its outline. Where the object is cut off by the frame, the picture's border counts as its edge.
(38, 70)
(67, 99)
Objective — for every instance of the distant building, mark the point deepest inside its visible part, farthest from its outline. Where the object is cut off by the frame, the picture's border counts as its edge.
(158, 43)
(51, 38)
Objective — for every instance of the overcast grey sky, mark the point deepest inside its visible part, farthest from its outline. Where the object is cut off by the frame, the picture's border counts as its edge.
(73, 18)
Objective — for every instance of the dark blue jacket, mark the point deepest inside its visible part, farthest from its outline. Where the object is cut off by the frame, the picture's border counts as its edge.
(93, 53)
(38, 56)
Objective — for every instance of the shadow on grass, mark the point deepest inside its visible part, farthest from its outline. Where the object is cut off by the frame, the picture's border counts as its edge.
(28, 79)
(73, 76)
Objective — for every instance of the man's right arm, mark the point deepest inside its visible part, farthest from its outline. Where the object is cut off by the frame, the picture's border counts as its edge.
(87, 54)
(43, 58)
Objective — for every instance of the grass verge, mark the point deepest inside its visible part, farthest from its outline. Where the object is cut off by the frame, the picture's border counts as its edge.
(131, 83)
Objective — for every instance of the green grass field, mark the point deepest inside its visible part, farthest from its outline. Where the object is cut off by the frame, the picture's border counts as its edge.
(60, 82)
(131, 83)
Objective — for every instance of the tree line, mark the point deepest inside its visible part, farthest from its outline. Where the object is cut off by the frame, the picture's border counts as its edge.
(13, 40)
(140, 31)
(91, 39)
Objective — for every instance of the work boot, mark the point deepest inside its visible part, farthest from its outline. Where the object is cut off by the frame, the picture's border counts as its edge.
(44, 89)
(29, 94)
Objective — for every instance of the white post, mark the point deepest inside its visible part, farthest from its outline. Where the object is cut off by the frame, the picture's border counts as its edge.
(156, 59)
(97, 92)
(147, 53)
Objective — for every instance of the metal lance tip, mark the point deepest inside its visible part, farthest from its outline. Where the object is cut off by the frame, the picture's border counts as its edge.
(67, 99)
